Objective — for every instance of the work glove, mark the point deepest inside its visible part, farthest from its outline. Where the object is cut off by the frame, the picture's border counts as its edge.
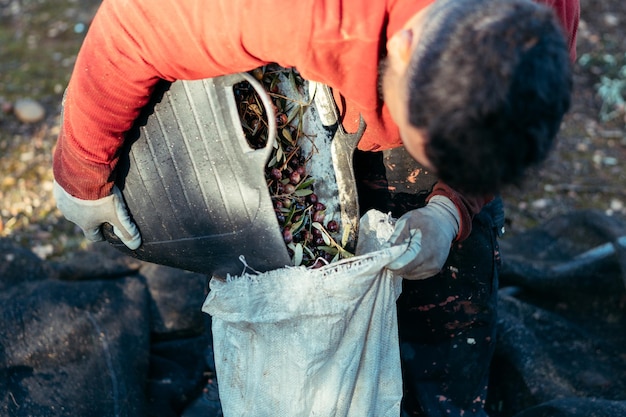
(429, 232)
(89, 215)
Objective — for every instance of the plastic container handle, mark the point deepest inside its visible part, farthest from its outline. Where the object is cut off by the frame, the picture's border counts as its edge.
(264, 152)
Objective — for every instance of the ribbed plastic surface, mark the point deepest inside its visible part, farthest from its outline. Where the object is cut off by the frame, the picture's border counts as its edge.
(195, 188)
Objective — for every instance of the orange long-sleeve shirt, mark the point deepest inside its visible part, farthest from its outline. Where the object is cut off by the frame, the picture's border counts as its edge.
(131, 44)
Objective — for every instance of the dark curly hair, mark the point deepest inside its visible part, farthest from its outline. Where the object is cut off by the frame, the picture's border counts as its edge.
(490, 81)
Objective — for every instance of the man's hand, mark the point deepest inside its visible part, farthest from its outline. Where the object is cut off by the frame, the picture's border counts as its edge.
(429, 231)
(89, 215)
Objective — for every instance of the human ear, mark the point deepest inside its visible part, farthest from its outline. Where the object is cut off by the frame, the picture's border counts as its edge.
(399, 46)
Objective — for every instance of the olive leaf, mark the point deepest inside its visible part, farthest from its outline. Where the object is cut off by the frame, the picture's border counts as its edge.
(298, 254)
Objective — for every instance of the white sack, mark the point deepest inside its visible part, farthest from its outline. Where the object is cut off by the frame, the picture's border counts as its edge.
(311, 342)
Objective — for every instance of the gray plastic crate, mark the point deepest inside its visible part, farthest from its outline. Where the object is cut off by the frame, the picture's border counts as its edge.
(197, 190)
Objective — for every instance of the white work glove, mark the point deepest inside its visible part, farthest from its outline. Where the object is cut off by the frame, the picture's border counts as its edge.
(429, 231)
(89, 215)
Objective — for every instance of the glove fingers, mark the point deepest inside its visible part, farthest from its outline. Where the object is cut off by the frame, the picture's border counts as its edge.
(123, 226)
(89, 215)
(411, 253)
(397, 231)
(128, 233)
(405, 259)
(93, 234)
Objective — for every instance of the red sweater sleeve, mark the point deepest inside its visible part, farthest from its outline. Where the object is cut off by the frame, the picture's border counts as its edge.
(568, 13)
(468, 207)
(132, 44)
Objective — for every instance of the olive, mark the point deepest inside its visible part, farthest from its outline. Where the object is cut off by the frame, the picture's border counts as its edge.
(289, 188)
(294, 177)
(332, 226)
(276, 174)
(318, 216)
(258, 73)
(306, 236)
(294, 163)
(281, 119)
(287, 236)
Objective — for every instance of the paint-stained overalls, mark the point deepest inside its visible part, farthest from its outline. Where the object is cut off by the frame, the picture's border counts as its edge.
(447, 322)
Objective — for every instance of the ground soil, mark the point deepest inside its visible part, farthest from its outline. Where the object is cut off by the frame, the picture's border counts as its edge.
(40, 41)
(587, 169)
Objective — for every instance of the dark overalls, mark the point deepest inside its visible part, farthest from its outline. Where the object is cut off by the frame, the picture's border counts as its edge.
(447, 322)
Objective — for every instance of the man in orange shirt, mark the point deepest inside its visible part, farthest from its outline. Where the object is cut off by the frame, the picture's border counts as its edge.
(475, 90)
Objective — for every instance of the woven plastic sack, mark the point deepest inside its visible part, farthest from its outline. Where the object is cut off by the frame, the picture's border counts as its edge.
(311, 342)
